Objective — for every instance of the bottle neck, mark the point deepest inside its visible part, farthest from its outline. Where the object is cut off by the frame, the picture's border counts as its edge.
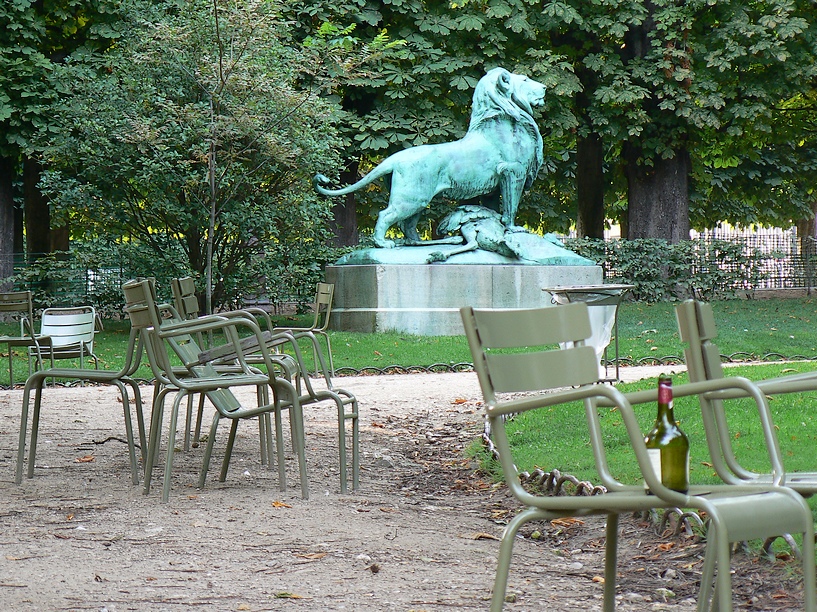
(665, 411)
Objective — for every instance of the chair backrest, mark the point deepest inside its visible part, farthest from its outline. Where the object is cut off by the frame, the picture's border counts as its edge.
(696, 326)
(518, 349)
(323, 306)
(184, 297)
(73, 326)
(21, 304)
(148, 315)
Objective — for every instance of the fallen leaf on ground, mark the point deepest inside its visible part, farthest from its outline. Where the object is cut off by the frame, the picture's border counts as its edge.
(280, 504)
(285, 595)
(86, 459)
(566, 522)
(311, 555)
(484, 536)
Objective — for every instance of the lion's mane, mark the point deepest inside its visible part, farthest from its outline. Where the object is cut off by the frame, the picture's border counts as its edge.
(495, 99)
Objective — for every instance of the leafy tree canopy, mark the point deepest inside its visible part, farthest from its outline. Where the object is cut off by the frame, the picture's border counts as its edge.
(720, 80)
(197, 135)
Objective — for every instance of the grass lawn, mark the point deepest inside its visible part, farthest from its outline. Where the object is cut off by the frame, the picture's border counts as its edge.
(754, 329)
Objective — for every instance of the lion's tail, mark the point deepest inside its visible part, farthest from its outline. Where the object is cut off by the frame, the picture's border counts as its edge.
(320, 180)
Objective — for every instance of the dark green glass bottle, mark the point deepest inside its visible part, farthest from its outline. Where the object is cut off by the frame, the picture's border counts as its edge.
(667, 445)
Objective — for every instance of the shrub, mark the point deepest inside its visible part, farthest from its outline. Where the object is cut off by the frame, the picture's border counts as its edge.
(662, 271)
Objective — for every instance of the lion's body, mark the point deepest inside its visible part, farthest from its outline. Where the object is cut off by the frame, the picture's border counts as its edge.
(502, 151)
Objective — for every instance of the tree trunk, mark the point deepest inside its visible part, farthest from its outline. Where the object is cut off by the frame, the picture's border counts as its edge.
(658, 196)
(37, 211)
(590, 186)
(6, 220)
(344, 211)
(807, 231)
(60, 239)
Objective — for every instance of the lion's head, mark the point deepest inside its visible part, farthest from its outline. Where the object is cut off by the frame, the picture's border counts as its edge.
(501, 92)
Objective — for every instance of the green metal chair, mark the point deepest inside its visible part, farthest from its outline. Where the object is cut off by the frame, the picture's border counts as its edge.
(292, 368)
(165, 338)
(71, 331)
(19, 305)
(120, 378)
(322, 308)
(520, 368)
(696, 325)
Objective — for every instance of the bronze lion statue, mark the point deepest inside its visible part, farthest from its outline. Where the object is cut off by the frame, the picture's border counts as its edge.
(500, 154)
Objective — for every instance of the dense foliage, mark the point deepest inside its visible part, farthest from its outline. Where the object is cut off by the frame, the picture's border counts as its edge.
(661, 271)
(195, 136)
(190, 130)
(726, 84)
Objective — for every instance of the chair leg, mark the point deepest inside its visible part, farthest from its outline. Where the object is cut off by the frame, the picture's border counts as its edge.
(208, 450)
(610, 563)
(155, 433)
(279, 449)
(344, 487)
(716, 572)
(707, 576)
(270, 440)
(225, 464)
(263, 428)
(263, 425)
(140, 418)
(134, 466)
(188, 422)
(355, 447)
(171, 446)
(506, 550)
(723, 580)
(35, 430)
(296, 420)
(21, 444)
(199, 418)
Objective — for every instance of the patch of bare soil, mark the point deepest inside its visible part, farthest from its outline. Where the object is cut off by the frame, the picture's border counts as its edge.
(421, 534)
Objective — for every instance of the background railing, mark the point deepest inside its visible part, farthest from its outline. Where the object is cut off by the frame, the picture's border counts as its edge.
(791, 263)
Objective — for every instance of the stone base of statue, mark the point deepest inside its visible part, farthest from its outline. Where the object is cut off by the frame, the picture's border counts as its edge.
(379, 290)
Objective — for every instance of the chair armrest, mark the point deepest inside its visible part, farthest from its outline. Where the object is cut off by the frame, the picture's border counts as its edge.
(598, 395)
(724, 388)
(248, 344)
(235, 347)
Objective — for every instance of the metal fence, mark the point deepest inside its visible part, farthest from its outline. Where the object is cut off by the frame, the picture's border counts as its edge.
(790, 262)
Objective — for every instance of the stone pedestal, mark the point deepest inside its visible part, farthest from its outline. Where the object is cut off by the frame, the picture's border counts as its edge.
(425, 299)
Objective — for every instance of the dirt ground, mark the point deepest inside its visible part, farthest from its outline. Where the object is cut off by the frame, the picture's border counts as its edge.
(421, 534)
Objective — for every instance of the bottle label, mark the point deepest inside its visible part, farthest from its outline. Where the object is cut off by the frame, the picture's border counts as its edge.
(654, 455)
(677, 482)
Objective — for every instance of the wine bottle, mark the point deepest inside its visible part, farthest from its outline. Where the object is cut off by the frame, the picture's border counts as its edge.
(667, 445)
